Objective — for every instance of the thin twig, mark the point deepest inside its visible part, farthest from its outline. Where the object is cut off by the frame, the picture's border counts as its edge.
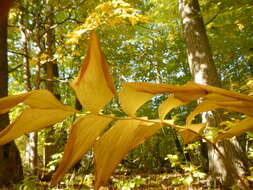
(15, 68)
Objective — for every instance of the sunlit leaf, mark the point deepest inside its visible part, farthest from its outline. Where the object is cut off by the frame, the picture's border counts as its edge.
(93, 86)
(189, 136)
(189, 92)
(141, 92)
(45, 110)
(245, 107)
(204, 106)
(168, 105)
(32, 120)
(226, 93)
(138, 98)
(9, 102)
(241, 127)
(35, 99)
(45, 100)
(81, 138)
(116, 143)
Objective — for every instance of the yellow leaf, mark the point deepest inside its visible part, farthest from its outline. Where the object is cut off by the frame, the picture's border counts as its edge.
(226, 101)
(243, 126)
(9, 102)
(131, 99)
(35, 99)
(93, 86)
(189, 136)
(135, 94)
(189, 92)
(116, 143)
(32, 119)
(45, 110)
(81, 138)
(204, 106)
(168, 105)
(220, 91)
(245, 107)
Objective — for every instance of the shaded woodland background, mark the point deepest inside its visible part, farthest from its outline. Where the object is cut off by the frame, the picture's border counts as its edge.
(144, 41)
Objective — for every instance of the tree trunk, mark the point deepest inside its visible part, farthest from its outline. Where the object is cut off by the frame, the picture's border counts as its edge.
(10, 161)
(204, 72)
(51, 73)
(31, 152)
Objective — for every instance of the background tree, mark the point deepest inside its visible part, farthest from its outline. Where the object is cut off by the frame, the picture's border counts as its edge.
(10, 161)
(204, 72)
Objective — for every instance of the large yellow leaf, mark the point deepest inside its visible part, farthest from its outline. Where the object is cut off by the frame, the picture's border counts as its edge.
(9, 102)
(135, 94)
(214, 101)
(93, 86)
(243, 126)
(220, 91)
(232, 101)
(32, 119)
(45, 110)
(44, 99)
(189, 136)
(35, 99)
(131, 99)
(170, 103)
(189, 92)
(204, 106)
(116, 143)
(81, 138)
(245, 107)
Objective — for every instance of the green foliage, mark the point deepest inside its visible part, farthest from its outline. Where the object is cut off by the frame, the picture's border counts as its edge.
(29, 183)
(128, 184)
(192, 174)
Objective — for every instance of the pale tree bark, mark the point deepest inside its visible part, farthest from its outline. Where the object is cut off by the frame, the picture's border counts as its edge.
(204, 71)
(31, 152)
(10, 161)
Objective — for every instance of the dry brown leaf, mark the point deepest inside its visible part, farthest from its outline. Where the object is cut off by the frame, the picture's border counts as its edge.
(116, 143)
(93, 86)
(81, 138)
(32, 120)
(240, 128)
(189, 136)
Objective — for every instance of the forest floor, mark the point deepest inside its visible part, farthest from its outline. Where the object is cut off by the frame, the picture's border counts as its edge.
(121, 182)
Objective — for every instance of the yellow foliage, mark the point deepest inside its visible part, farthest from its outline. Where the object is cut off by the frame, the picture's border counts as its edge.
(108, 13)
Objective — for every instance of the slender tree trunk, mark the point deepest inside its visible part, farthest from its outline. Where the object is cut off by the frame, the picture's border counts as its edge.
(10, 161)
(51, 73)
(31, 146)
(204, 72)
